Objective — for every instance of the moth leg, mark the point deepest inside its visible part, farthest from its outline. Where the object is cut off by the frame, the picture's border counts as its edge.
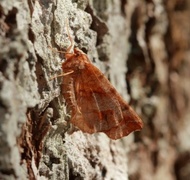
(61, 75)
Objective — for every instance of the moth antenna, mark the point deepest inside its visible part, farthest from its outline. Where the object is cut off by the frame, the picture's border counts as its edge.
(70, 38)
(57, 51)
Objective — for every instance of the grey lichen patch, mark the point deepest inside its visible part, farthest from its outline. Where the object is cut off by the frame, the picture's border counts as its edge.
(54, 163)
(18, 85)
(91, 157)
(77, 22)
(41, 27)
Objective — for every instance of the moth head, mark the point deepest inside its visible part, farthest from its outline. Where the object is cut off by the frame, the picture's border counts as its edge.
(77, 53)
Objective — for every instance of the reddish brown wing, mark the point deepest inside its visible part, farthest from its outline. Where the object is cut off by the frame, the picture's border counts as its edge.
(97, 108)
(94, 103)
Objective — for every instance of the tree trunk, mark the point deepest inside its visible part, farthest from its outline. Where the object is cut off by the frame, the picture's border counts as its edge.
(141, 46)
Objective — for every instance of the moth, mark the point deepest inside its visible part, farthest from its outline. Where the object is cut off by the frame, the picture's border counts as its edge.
(94, 104)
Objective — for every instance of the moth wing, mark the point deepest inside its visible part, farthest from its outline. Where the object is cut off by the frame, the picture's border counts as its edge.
(91, 116)
(100, 108)
(131, 122)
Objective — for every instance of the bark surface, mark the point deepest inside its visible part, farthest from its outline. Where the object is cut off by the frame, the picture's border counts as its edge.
(142, 47)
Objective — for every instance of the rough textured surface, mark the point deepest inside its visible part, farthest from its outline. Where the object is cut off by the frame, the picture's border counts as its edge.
(143, 48)
(18, 86)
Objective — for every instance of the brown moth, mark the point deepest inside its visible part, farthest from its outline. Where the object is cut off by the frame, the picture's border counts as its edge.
(94, 104)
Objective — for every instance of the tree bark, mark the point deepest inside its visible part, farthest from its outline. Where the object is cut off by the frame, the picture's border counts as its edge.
(141, 46)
